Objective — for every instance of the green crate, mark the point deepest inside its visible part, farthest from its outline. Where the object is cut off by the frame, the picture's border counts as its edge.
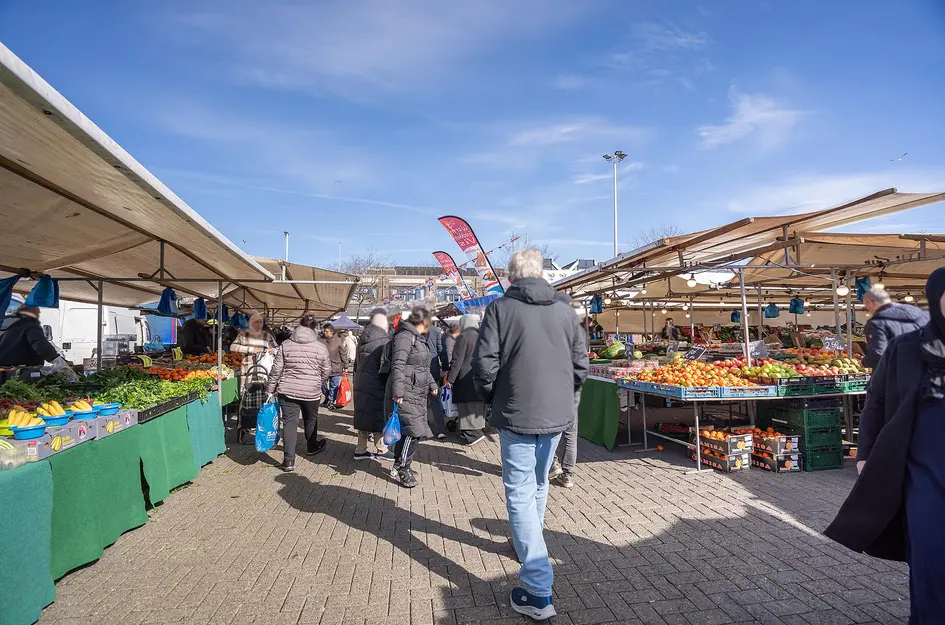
(854, 386)
(823, 459)
(831, 437)
(777, 414)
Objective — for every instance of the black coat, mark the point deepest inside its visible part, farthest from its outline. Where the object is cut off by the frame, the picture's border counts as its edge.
(461, 371)
(411, 379)
(369, 382)
(530, 359)
(23, 343)
(886, 324)
(193, 338)
(871, 520)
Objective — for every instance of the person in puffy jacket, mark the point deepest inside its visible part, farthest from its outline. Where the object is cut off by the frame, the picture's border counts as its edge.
(300, 366)
(409, 385)
(369, 388)
(23, 342)
(887, 321)
(470, 408)
(530, 360)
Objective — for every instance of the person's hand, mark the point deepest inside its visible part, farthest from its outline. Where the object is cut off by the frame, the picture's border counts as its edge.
(398, 400)
(859, 466)
(447, 385)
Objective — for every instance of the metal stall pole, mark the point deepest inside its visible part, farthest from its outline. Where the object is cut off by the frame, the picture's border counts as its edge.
(836, 301)
(692, 321)
(741, 280)
(220, 342)
(851, 315)
(695, 411)
(101, 322)
(761, 316)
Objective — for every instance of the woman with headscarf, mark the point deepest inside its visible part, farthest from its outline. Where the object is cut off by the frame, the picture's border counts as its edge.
(471, 409)
(409, 385)
(897, 506)
(369, 387)
(255, 344)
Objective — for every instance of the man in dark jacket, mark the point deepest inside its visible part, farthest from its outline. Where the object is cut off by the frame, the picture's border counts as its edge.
(529, 361)
(887, 321)
(447, 343)
(369, 387)
(339, 364)
(435, 412)
(23, 342)
(193, 337)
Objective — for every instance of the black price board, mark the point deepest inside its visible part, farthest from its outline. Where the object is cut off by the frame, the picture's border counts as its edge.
(695, 353)
(672, 347)
(757, 349)
(834, 344)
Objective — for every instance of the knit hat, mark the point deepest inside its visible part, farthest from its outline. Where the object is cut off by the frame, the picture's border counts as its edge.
(378, 311)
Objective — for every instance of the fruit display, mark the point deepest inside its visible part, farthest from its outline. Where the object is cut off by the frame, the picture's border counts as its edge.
(20, 418)
(181, 374)
(783, 463)
(725, 443)
(722, 462)
(81, 405)
(51, 409)
(695, 373)
(231, 359)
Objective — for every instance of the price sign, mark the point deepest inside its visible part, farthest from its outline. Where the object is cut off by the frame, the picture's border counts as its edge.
(757, 349)
(695, 352)
(672, 347)
(834, 344)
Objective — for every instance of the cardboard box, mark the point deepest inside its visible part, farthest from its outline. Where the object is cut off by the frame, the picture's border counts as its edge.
(71, 434)
(785, 463)
(124, 419)
(732, 444)
(727, 463)
(778, 445)
(36, 448)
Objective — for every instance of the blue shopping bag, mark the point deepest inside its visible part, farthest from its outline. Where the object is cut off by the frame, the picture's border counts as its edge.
(392, 428)
(267, 425)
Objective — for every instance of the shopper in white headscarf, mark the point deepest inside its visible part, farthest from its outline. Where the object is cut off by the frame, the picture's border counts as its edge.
(471, 409)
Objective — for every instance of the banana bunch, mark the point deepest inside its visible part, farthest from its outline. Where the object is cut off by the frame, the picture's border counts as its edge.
(19, 418)
(51, 409)
(80, 405)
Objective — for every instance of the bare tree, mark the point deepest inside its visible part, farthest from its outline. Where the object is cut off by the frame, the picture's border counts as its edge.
(501, 257)
(366, 266)
(645, 237)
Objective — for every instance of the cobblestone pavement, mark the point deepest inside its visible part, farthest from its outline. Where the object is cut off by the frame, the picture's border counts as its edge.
(338, 543)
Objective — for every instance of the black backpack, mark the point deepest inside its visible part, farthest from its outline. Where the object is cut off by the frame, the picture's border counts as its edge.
(387, 356)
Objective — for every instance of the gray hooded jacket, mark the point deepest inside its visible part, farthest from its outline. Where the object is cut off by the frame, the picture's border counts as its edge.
(300, 367)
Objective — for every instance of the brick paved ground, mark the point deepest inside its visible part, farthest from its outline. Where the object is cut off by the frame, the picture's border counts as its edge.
(338, 543)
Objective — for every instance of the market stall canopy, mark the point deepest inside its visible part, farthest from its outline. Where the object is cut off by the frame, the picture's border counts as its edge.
(729, 246)
(308, 290)
(343, 322)
(74, 204)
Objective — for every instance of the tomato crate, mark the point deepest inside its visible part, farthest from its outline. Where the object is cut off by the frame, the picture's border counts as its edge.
(776, 415)
(823, 459)
(747, 392)
(731, 444)
(784, 463)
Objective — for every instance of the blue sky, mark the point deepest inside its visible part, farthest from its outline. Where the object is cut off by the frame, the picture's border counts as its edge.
(362, 121)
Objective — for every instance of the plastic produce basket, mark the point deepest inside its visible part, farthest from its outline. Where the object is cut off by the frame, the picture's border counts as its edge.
(685, 392)
(830, 437)
(823, 459)
(747, 392)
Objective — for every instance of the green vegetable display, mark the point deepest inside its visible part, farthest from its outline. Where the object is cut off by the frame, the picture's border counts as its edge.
(142, 394)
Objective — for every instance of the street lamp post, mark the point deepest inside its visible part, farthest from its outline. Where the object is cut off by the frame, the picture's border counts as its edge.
(614, 159)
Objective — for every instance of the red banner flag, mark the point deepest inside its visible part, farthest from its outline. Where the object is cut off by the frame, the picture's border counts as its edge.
(466, 239)
(452, 272)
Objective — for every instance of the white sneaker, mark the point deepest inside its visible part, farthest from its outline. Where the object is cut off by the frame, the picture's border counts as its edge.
(440, 436)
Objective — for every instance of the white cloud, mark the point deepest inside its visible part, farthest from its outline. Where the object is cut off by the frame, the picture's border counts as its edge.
(633, 166)
(583, 129)
(662, 37)
(569, 82)
(753, 115)
(671, 169)
(810, 192)
(346, 47)
(586, 178)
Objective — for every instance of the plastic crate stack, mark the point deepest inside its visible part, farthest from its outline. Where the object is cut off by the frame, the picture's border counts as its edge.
(817, 422)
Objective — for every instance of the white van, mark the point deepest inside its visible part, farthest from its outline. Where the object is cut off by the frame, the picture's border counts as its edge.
(71, 328)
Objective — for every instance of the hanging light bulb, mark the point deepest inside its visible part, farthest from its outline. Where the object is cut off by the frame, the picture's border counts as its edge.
(685, 306)
(691, 282)
(607, 301)
(879, 285)
(842, 290)
(808, 314)
(663, 311)
(908, 298)
(643, 290)
(687, 315)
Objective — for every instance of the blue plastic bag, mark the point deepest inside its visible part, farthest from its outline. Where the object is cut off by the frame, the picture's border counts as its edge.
(392, 428)
(772, 311)
(168, 303)
(45, 294)
(267, 425)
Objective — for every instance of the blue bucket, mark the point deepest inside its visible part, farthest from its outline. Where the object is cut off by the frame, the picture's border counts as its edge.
(107, 410)
(86, 414)
(25, 434)
(58, 420)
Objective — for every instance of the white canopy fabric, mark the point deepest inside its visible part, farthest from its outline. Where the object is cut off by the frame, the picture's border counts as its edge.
(74, 204)
(286, 302)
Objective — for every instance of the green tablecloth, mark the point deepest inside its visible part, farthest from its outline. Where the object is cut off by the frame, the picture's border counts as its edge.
(205, 423)
(228, 390)
(166, 453)
(25, 512)
(599, 413)
(96, 498)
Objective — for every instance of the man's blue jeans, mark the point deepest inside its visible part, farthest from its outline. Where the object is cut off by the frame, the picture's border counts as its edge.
(330, 388)
(526, 460)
